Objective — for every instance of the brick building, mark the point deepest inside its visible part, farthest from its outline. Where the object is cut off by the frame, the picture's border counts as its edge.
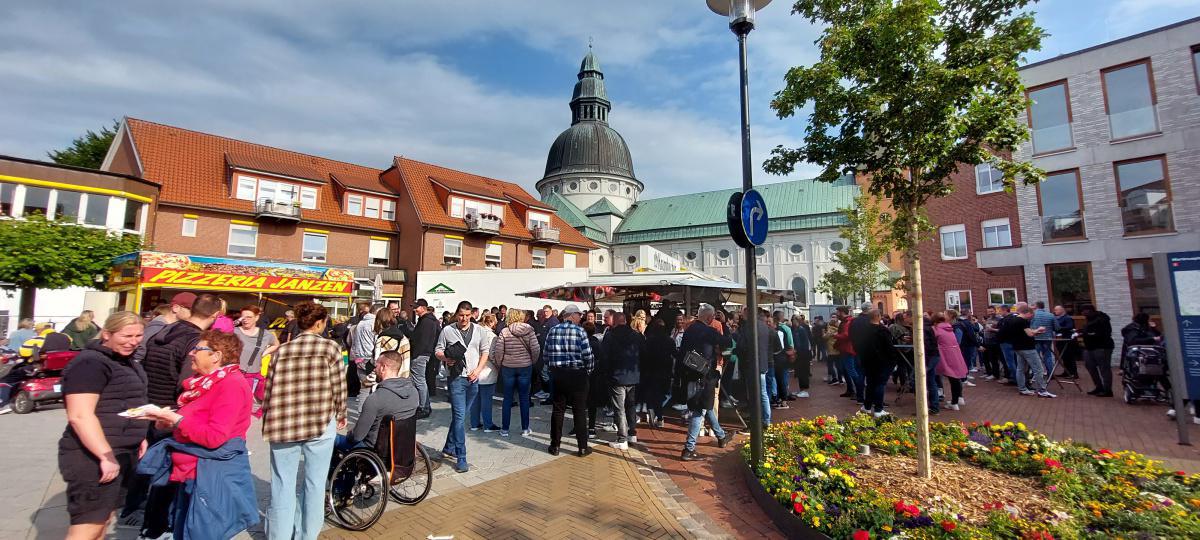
(452, 220)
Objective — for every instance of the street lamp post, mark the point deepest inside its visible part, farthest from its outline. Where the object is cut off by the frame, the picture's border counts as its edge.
(741, 22)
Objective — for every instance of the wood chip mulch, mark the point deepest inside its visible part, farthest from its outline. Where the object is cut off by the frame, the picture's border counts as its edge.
(964, 489)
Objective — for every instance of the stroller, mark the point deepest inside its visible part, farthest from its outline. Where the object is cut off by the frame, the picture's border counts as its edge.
(1144, 374)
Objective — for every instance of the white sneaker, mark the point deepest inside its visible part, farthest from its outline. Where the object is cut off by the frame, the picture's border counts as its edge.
(633, 438)
(953, 407)
(619, 445)
(1046, 394)
(974, 370)
(1027, 392)
(864, 410)
(989, 378)
(802, 394)
(679, 407)
(504, 433)
(527, 433)
(5, 409)
(968, 383)
(962, 401)
(881, 414)
(1196, 419)
(1170, 413)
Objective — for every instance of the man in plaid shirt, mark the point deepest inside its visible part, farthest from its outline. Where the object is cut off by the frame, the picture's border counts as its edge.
(570, 358)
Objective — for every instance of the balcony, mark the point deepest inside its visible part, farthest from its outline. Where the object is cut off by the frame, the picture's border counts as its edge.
(548, 235)
(483, 224)
(281, 210)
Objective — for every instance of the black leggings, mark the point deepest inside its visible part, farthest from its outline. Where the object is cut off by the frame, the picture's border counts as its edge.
(956, 387)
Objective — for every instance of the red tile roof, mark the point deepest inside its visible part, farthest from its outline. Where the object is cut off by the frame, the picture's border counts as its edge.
(419, 179)
(192, 169)
(255, 163)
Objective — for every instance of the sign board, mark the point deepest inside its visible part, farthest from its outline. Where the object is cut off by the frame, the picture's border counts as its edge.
(657, 261)
(1177, 275)
(747, 218)
(153, 269)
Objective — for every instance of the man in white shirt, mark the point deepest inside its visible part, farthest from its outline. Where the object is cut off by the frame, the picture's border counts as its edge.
(463, 364)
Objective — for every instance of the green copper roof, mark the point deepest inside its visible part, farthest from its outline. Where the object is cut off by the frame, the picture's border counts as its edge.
(575, 217)
(794, 205)
(602, 207)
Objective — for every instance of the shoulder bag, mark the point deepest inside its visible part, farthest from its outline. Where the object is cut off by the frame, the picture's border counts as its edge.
(696, 362)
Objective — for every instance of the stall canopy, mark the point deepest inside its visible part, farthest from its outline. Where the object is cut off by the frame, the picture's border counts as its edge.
(682, 287)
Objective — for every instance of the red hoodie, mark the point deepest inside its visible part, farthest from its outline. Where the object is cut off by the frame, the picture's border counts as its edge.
(842, 339)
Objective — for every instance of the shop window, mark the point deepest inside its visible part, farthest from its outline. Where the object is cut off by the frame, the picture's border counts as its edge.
(1143, 288)
(568, 260)
(189, 227)
(1002, 296)
(66, 205)
(1070, 285)
(539, 258)
(452, 249)
(371, 209)
(132, 221)
(1061, 206)
(1050, 117)
(7, 193)
(988, 179)
(493, 255)
(389, 210)
(1144, 195)
(1129, 100)
(246, 188)
(37, 200)
(960, 301)
(996, 233)
(243, 239)
(315, 247)
(800, 289)
(377, 253)
(308, 198)
(954, 242)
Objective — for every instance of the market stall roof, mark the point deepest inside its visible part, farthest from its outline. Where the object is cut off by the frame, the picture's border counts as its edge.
(675, 286)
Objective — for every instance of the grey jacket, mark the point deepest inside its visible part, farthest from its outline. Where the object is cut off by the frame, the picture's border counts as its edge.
(516, 347)
(396, 396)
(152, 329)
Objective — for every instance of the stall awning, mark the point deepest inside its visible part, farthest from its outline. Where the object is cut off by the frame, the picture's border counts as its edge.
(150, 269)
(675, 286)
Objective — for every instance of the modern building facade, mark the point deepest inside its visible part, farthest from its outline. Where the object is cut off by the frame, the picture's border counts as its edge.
(1117, 129)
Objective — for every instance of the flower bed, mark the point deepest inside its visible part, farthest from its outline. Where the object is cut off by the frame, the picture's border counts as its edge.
(991, 481)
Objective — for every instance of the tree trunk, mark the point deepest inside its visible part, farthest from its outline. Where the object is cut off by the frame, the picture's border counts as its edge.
(28, 297)
(924, 464)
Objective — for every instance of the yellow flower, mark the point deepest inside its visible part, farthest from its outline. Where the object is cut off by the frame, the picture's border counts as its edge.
(1020, 426)
(816, 522)
(887, 528)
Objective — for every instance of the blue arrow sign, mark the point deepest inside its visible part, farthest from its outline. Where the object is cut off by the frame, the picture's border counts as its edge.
(754, 217)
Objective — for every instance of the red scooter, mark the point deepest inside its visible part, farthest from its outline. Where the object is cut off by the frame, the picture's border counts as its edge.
(42, 383)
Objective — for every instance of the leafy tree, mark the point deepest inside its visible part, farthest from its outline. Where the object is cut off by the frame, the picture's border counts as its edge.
(88, 150)
(904, 92)
(859, 270)
(41, 253)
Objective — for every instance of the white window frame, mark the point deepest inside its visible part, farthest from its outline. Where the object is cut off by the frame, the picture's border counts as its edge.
(570, 260)
(958, 295)
(374, 247)
(243, 227)
(456, 206)
(189, 226)
(951, 230)
(1000, 291)
(536, 218)
(354, 199)
(452, 249)
(995, 224)
(245, 188)
(991, 172)
(371, 207)
(388, 210)
(304, 251)
(493, 256)
(308, 198)
(541, 258)
(141, 218)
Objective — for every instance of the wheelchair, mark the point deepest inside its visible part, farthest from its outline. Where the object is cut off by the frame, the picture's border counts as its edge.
(362, 479)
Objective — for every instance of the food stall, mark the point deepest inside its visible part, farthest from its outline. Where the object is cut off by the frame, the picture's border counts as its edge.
(642, 288)
(146, 279)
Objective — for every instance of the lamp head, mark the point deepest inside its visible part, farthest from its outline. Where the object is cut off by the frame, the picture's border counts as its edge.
(740, 12)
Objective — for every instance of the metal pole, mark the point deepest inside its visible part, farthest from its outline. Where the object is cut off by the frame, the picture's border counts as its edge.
(755, 397)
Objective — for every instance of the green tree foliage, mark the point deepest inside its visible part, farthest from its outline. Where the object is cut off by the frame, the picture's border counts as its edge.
(905, 92)
(88, 150)
(41, 253)
(859, 270)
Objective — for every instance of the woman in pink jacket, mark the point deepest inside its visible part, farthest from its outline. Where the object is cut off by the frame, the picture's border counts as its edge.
(952, 366)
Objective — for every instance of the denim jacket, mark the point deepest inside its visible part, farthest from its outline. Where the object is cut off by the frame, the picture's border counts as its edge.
(222, 502)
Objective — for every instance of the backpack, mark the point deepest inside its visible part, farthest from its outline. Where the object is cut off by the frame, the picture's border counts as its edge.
(969, 339)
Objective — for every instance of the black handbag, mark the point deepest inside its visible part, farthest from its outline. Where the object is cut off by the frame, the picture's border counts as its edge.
(696, 362)
(458, 352)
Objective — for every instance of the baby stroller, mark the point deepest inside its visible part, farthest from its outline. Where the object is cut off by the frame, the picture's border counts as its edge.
(1144, 374)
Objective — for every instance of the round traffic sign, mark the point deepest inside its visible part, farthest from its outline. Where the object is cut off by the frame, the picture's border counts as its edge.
(754, 217)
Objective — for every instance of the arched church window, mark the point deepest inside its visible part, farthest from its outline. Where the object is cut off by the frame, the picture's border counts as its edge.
(800, 288)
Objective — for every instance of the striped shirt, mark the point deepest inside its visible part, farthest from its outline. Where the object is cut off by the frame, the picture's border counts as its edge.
(567, 347)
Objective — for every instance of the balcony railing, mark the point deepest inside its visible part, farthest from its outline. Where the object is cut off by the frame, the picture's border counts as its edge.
(1062, 227)
(281, 210)
(1146, 218)
(548, 235)
(483, 223)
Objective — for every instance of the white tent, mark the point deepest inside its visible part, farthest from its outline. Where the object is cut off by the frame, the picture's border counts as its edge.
(685, 287)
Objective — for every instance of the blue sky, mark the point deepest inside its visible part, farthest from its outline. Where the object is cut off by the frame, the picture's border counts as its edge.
(478, 85)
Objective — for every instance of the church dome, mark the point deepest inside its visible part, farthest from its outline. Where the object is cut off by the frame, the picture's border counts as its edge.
(589, 147)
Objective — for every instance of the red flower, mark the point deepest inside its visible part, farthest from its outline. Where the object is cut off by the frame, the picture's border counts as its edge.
(987, 424)
(861, 535)
(899, 506)
(795, 494)
(799, 508)
(828, 437)
(948, 526)
(1105, 452)
(820, 420)
(1180, 473)
(1053, 464)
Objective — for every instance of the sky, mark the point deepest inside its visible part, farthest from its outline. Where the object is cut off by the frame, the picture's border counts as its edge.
(477, 85)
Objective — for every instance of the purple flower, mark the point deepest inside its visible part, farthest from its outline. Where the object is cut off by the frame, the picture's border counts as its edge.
(981, 438)
(833, 510)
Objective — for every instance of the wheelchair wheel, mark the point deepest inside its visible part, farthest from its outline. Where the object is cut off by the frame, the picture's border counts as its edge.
(356, 495)
(415, 488)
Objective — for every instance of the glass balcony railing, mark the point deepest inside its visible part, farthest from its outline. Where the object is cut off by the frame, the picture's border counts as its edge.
(1051, 138)
(1133, 122)
(1146, 218)
(1062, 227)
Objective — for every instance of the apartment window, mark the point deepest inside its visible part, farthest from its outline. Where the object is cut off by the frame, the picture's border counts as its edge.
(315, 246)
(277, 192)
(460, 207)
(96, 209)
(959, 301)
(1129, 100)
(1050, 117)
(988, 179)
(66, 205)
(1196, 65)
(133, 216)
(1002, 296)
(996, 233)
(243, 239)
(1061, 207)
(246, 188)
(539, 221)
(37, 200)
(1070, 285)
(954, 242)
(452, 252)
(1143, 288)
(493, 255)
(354, 204)
(371, 208)
(377, 253)
(308, 198)
(8, 192)
(1144, 195)
(389, 210)
(568, 260)
(800, 289)
(539, 258)
(189, 227)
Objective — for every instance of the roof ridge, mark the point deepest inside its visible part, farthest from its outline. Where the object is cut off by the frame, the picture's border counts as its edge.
(445, 168)
(814, 181)
(227, 138)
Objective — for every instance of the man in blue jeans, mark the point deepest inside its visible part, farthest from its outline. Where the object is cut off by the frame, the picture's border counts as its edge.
(1044, 341)
(464, 368)
(703, 339)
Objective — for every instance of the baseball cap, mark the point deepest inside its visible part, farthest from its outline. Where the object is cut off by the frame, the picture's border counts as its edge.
(421, 302)
(569, 310)
(184, 299)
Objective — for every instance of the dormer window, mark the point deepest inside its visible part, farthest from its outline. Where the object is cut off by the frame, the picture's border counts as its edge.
(371, 207)
(538, 220)
(248, 188)
(461, 208)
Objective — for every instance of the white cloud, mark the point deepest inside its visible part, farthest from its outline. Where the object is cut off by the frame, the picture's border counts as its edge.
(1128, 17)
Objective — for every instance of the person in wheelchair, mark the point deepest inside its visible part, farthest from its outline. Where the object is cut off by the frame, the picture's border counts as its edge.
(395, 396)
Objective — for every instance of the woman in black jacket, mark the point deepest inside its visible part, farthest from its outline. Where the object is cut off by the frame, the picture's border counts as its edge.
(1097, 349)
(658, 361)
